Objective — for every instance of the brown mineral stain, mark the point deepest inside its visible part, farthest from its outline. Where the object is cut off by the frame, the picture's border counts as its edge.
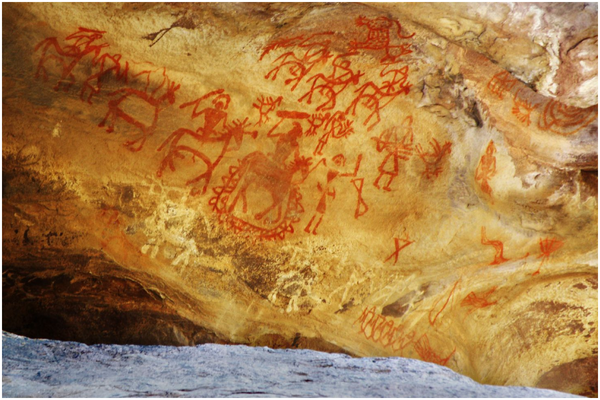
(577, 377)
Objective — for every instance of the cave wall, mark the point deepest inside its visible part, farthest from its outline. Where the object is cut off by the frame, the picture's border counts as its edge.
(398, 179)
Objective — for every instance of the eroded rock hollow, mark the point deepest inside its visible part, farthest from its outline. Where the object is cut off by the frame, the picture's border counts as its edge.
(415, 180)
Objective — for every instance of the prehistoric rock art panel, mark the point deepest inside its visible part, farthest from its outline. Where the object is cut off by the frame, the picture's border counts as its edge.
(267, 173)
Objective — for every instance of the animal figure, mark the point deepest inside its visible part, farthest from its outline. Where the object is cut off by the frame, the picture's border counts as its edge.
(157, 104)
(106, 63)
(375, 98)
(69, 56)
(236, 132)
(332, 85)
(259, 171)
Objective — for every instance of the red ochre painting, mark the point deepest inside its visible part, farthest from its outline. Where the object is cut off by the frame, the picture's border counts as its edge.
(376, 179)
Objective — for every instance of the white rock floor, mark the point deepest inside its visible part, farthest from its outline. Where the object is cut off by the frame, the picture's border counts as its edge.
(48, 368)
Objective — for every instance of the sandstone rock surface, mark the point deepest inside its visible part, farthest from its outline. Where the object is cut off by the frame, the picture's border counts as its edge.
(414, 180)
(48, 368)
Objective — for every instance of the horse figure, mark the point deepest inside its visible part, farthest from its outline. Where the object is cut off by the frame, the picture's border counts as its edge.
(81, 47)
(236, 131)
(262, 172)
(157, 103)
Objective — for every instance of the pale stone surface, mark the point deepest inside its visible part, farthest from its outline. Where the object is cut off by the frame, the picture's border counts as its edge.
(415, 180)
(46, 368)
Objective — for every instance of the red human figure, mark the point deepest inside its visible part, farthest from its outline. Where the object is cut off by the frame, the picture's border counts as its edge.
(396, 148)
(547, 247)
(375, 98)
(337, 127)
(426, 352)
(265, 106)
(213, 116)
(501, 83)
(236, 132)
(478, 301)
(378, 38)
(486, 169)
(332, 85)
(69, 56)
(272, 173)
(400, 244)
(498, 246)
(433, 160)
(106, 64)
(339, 161)
(157, 104)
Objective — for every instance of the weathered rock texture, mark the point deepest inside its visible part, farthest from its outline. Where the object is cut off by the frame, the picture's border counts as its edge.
(409, 180)
(47, 368)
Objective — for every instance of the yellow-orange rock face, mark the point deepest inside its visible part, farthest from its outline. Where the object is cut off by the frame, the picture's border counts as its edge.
(415, 180)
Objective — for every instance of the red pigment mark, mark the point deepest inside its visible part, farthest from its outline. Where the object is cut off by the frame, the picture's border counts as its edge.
(327, 191)
(258, 179)
(332, 85)
(156, 103)
(112, 237)
(501, 83)
(400, 244)
(378, 38)
(361, 206)
(68, 57)
(213, 116)
(486, 169)
(375, 98)
(522, 109)
(235, 131)
(314, 52)
(478, 301)
(426, 352)
(566, 120)
(379, 329)
(498, 246)
(434, 319)
(266, 105)
(287, 115)
(316, 121)
(105, 64)
(338, 127)
(396, 147)
(547, 247)
(433, 160)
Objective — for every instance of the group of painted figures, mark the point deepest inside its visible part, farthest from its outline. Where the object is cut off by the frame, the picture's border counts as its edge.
(242, 198)
(277, 174)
